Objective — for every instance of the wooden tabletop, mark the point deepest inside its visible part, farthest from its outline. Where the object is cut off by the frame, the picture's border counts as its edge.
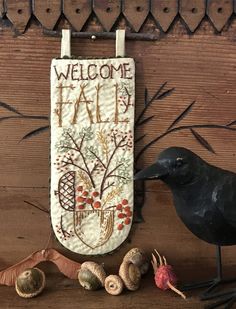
(62, 293)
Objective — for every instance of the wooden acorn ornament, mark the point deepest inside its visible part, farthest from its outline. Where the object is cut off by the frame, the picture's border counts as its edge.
(30, 283)
(164, 275)
(91, 276)
(114, 285)
(130, 274)
(138, 258)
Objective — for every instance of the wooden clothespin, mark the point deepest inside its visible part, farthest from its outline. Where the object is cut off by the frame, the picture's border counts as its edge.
(120, 43)
(66, 43)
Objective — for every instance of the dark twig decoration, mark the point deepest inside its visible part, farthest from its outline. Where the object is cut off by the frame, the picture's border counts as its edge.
(37, 207)
(175, 126)
(19, 115)
(202, 140)
(35, 132)
(205, 144)
(159, 95)
(182, 115)
(140, 186)
(10, 108)
(139, 138)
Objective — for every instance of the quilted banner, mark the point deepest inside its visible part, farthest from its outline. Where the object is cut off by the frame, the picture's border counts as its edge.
(92, 121)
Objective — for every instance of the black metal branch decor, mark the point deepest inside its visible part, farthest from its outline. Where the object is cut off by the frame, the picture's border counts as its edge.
(18, 115)
(141, 120)
(160, 94)
(175, 125)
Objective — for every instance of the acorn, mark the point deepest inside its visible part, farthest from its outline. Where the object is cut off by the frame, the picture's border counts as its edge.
(130, 274)
(114, 285)
(30, 283)
(91, 276)
(138, 258)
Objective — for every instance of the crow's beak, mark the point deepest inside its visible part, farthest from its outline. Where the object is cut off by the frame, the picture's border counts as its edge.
(154, 171)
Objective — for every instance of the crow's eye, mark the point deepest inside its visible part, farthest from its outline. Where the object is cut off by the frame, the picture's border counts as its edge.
(179, 162)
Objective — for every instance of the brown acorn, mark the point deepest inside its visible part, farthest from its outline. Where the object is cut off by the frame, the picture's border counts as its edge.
(91, 276)
(114, 285)
(30, 283)
(138, 258)
(130, 274)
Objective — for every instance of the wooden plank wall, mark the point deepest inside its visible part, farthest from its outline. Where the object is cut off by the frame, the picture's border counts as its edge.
(200, 66)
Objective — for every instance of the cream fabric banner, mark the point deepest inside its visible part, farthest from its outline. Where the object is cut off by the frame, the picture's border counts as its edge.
(92, 121)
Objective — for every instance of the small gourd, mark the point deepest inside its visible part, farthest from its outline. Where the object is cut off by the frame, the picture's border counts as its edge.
(130, 274)
(30, 283)
(91, 276)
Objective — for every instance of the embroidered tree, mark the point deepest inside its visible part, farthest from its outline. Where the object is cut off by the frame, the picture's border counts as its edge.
(102, 169)
(120, 140)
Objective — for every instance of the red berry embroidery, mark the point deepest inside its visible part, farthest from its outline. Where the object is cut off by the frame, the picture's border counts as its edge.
(97, 204)
(81, 206)
(127, 221)
(124, 202)
(85, 193)
(127, 208)
(79, 188)
(121, 215)
(95, 193)
(120, 226)
(119, 207)
(89, 201)
(129, 213)
(80, 199)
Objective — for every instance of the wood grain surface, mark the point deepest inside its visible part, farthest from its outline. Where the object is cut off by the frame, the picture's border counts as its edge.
(63, 293)
(200, 67)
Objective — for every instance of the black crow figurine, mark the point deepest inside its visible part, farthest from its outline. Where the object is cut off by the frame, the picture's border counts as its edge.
(205, 200)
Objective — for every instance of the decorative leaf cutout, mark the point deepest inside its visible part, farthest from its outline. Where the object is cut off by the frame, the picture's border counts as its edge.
(139, 138)
(8, 117)
(145, 120)
(165, 94)
(231, 123)
(157, 93)
(148, 103)
(24, 117)
(10, 108)
(181, 116)
(187, 127)
(66, 266)
(37, 207)
(202, 141)
(35, 132)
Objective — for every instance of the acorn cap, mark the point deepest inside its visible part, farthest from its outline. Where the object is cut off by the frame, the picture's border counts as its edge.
(130, 274)
(114, 285)
(137, 256)
(134, 255)
(93, 272)
(30, 283)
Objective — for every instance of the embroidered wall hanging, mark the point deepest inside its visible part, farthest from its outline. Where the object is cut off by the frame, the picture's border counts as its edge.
(92, 120)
